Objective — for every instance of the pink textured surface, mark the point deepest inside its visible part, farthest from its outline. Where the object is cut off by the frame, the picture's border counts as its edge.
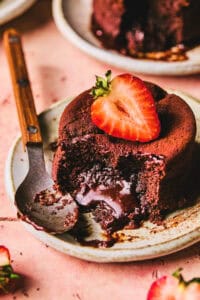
(58, 70)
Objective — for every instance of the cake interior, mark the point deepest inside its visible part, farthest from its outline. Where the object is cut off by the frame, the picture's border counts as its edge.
(116, 196)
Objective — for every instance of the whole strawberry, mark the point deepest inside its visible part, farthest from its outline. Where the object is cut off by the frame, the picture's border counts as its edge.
(125, 108)
(9, 280)
(174, 288)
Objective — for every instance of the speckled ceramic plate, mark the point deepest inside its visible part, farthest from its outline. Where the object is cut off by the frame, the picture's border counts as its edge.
(180, 229)
(10, 9)
(72, 18)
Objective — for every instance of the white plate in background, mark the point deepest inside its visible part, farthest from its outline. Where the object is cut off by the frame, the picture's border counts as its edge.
(72, 18)
(10, 9)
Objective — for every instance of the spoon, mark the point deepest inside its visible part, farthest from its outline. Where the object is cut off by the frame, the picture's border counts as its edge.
(36, 199)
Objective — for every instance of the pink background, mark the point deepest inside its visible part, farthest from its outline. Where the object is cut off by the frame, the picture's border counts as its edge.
(58, 70)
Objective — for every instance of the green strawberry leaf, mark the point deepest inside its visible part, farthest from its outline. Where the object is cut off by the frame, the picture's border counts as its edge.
(177, 274)
(102, 85)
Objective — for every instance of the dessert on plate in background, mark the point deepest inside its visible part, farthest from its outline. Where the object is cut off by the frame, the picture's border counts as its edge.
(154, 29)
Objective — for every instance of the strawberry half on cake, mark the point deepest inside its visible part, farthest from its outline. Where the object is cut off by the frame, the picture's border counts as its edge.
(124, 151)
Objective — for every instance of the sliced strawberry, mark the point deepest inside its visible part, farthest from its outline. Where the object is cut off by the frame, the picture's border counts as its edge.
(163, 289)
(174, 288)
(4, 256)
(9, 280)
(125, 108)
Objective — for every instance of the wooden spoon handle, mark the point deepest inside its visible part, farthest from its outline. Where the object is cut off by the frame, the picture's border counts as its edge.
(21, 86)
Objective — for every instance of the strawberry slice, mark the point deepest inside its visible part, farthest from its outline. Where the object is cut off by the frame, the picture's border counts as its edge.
(125, 108)
(163, 289)
(4, 256)
(9, 280)
(174, 288)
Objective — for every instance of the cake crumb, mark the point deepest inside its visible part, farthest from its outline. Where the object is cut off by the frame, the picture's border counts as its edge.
(10, 219)
(77, 296)
(63, 78)
(162, 262)
(155, 274)
(25, 293)
(5, 100)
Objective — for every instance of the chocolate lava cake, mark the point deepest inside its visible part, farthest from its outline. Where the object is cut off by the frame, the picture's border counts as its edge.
(123, 182)
(145, 26)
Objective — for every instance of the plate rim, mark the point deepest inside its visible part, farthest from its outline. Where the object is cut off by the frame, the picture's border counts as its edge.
(98, 254)
(113, 58)
(13, 9)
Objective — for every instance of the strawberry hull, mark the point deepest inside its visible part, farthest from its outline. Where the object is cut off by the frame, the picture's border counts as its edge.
(9, 281)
